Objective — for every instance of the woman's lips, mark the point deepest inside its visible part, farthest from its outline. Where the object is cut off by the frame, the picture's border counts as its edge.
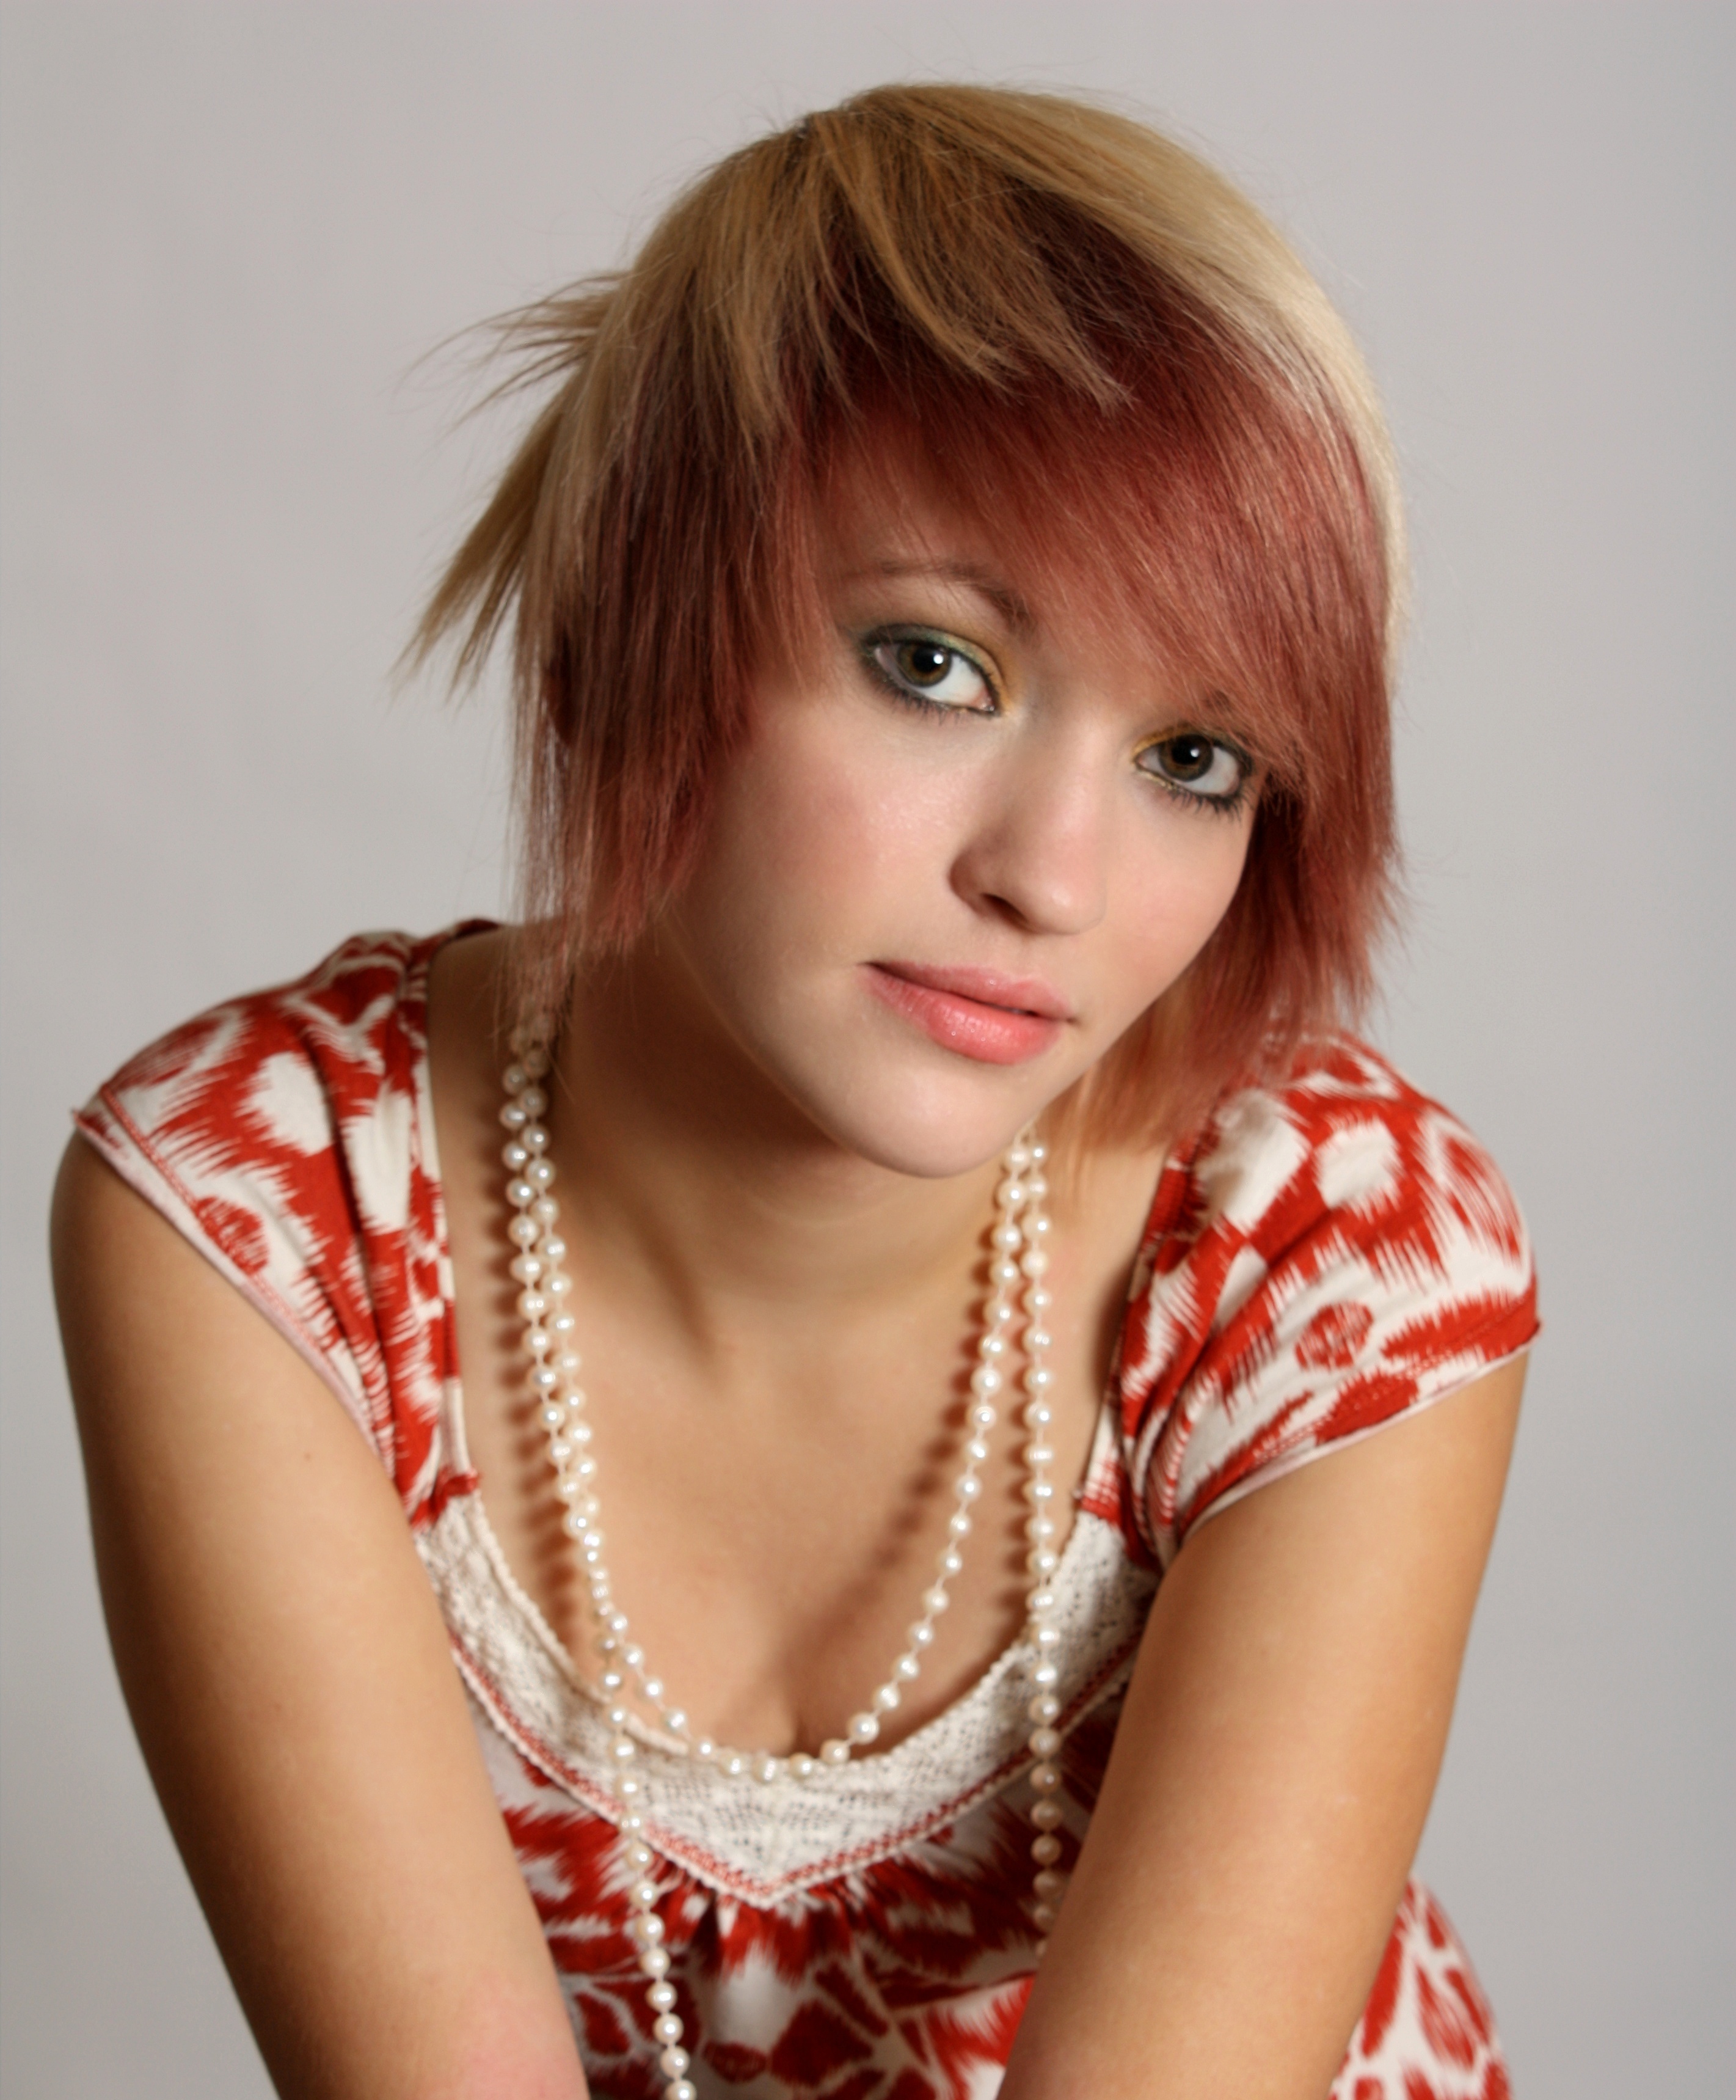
(980, 1014)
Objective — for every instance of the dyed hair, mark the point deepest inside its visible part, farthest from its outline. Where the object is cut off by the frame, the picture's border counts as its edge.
(1110, 358)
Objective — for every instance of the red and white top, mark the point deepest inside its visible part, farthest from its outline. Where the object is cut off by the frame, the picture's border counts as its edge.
(1319, 1260)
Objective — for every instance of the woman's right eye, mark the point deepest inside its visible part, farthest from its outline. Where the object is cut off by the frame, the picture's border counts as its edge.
(931, 671)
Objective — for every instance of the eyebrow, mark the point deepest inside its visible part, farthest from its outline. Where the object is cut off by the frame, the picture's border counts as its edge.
(1006, 601)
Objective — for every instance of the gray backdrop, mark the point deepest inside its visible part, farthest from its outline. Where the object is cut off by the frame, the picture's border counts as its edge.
(227, 236)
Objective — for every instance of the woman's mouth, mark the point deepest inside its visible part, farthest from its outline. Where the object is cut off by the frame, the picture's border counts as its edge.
(980, 1014)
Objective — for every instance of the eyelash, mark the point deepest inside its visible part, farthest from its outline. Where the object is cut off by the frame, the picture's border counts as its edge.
(885, 637)
(882, 637)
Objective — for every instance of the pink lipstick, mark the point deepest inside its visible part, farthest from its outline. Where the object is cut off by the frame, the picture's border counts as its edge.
(980, 1014)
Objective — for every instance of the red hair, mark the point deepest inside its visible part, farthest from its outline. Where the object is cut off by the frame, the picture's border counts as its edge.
(1130, 380)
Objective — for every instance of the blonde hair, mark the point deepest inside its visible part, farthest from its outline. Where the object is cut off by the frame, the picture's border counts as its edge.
(1072, 307)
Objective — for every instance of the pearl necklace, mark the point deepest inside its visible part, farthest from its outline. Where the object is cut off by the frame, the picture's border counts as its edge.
(1018, 1264)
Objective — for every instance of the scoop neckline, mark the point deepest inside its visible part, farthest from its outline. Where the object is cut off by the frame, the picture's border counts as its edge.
(1102, 1446)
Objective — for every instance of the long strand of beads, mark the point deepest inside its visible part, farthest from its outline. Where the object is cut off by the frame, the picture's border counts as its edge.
(537, 1266)
(1018, 1258)
(1045, 1637)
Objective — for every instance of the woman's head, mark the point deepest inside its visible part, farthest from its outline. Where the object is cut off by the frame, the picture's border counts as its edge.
(1099, 354)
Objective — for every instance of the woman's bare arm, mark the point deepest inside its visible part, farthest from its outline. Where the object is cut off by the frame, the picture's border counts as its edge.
(1271, 1773)
(288, 1673)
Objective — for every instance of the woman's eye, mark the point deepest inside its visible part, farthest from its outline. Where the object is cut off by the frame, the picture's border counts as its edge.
(1196, 765)
(923, 667)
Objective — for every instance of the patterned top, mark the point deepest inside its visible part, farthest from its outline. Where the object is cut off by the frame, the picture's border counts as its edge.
(1318, 1261)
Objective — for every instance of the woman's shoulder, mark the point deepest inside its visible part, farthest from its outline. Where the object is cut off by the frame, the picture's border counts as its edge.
(285, 1133)
(1344, 1142)
(279, 1065)
(1328, 1252)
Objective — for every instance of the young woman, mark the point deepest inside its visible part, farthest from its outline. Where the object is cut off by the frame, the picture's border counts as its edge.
(902, 1179)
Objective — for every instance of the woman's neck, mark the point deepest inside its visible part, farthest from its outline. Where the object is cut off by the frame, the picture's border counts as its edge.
(677, 1153)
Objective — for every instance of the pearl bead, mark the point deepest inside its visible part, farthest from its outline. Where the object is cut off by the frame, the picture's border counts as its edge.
(661, 1998)
(673, 2062)
(1047, 1816)
(680, 2089)
(668, 2029)
(1043, 1916)
(1019, 1229)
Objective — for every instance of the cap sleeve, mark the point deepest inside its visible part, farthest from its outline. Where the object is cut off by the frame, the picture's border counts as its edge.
(1336, 1253)
(283, 1135)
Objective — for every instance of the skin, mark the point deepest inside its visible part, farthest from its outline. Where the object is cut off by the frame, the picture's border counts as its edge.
(774, 1186)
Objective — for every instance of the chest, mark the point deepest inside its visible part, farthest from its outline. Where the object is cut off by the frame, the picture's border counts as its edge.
(774, 1521)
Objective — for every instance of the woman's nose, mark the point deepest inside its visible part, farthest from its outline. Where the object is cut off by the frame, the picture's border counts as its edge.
(1037, 853)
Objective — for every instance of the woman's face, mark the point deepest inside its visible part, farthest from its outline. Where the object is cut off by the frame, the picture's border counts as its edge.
(958, 856)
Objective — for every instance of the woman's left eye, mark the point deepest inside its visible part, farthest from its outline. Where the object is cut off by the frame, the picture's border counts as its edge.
(1202, 767)
(932, 671)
